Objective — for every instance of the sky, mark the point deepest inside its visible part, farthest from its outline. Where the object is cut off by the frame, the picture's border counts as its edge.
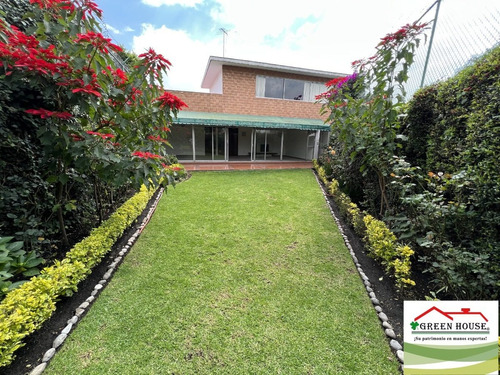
(324, 35)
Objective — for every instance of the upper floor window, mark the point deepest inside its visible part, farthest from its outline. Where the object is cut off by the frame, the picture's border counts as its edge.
(285, 88)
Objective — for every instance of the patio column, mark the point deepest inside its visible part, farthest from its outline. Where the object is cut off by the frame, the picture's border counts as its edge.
(316, 145)
(282, 142)
(193, 142)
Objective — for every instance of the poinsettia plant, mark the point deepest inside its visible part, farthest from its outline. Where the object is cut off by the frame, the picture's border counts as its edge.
(363, 107)
(99, 118)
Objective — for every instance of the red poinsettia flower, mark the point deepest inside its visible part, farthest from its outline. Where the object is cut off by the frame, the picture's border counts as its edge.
(44, 113)
(146, 155)
(98, 41)
(170, 100)
(102, 135)
(88, 89)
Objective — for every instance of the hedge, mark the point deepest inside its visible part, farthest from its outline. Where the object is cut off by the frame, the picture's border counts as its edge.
(26, 308)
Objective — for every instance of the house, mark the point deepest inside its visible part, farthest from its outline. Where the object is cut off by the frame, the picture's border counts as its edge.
(253, 111)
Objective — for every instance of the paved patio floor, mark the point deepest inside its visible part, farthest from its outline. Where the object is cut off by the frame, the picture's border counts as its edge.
(238, 165)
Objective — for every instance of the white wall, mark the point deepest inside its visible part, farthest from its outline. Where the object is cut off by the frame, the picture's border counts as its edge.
(244, 141)
(295, 143)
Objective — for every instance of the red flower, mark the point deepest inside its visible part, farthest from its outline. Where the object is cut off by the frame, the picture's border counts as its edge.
(98, 41)
(168, 99)
(23, 52)
(90, 7)
(44, 113)
(157, 138)
(76, 137)
(103, 136)
(164, 129)
(146, 155)
(88, 89)
(156, 59)
(154, 62)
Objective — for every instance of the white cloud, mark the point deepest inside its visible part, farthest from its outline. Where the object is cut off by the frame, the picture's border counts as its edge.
(283, 33)
(128, 29)
(188, 57)
(184, 3)
(114, 30)
(327, 36)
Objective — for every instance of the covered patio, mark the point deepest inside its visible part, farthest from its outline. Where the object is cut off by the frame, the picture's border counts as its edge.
(208, 137)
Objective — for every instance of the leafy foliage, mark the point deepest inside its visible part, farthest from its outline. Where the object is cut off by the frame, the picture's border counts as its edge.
(78, 127)
(437, 177)
(15, 264)
(364, 106)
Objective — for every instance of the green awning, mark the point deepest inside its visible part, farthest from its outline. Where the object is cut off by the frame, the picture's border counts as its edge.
(249, 121)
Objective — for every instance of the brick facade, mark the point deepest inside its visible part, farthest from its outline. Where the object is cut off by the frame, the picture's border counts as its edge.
(239, 96)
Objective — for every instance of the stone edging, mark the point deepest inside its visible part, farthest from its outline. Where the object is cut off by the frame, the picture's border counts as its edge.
(80, 310)
(388, 329)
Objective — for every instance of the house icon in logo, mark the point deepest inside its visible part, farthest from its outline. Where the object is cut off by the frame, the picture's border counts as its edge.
(448, 315)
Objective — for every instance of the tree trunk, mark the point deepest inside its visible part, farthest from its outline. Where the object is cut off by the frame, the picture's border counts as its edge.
(60, 216)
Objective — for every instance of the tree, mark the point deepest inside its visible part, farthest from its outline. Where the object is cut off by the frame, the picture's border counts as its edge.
(91, 118)
(364, 106)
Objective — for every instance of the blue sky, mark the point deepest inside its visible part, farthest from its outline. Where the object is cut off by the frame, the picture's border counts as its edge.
(325, 35)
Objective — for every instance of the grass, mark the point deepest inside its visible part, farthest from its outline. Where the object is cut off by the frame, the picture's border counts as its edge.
(237, 273)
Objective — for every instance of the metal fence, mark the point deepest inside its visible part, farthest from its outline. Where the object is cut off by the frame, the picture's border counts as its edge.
(461, 31)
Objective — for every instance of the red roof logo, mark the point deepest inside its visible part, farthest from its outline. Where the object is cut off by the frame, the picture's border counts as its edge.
(449, 315)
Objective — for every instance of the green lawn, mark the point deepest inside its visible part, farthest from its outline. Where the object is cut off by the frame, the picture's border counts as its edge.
(237, 273)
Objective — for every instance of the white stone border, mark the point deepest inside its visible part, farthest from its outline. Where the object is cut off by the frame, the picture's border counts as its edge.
(388, 329)
(80, 310)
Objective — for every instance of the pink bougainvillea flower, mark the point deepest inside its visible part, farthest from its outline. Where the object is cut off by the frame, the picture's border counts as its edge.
(170, 100)
(44, 113)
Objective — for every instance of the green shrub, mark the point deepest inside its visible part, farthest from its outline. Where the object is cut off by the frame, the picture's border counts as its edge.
(26, 308)
(382, 245)
(380, 241)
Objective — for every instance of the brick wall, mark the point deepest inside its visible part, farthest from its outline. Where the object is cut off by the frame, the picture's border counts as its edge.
(239, 96)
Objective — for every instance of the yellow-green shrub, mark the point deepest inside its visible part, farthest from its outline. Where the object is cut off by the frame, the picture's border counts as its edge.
(26, 308)
(378, 238)
(382, 245)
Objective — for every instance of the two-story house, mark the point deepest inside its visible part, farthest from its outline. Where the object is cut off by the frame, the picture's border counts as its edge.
(253, 111)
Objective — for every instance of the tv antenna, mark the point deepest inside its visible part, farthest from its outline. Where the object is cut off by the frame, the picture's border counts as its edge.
(224, 36)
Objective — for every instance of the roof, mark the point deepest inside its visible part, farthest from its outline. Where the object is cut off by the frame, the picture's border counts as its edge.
(214, 69)
(465, 311)
(250, 121)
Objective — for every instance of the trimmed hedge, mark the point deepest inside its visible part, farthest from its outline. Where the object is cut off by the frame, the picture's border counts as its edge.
(26, 308)
(381, 243)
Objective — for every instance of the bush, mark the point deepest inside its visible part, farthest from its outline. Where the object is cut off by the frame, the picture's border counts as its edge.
(25, 309)
(381, 243)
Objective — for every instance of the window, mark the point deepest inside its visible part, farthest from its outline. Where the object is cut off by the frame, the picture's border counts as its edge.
(294, 89)
(274, 88)
(284, 88)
